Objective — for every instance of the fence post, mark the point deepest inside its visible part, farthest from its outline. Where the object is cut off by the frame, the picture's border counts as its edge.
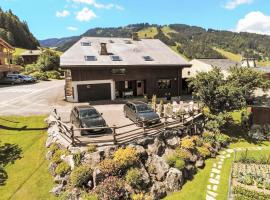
(114, 135)
(72, 136)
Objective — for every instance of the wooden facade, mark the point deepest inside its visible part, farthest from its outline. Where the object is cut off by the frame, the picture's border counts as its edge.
(149, 75)
(260, 115)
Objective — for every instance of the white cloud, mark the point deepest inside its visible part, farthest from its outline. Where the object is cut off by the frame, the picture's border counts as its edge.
(99, 5)
(254, 22)
(232, 4)
(72, 28)
(64, 13)
(85, 15)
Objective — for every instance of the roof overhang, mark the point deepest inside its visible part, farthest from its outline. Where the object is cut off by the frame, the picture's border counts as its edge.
(128, 66)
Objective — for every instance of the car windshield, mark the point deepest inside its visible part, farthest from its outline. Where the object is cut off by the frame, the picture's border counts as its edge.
(91, 113)
(144, 108)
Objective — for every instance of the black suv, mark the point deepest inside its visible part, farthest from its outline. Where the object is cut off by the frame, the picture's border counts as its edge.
(140, 112)
(87, 117)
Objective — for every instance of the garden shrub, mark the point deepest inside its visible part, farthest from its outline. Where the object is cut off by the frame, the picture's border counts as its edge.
(141, 196)
(266, 184)
(126, 156)
(187, 143)
(179, 164)
(57, 155)
(29, 69)
(222, 138)
(174, 161)
(183, 153)
(110, 167)
(40, 76)
(77, 157)
(112, 188)
(53, 74)
(88, 196)
(54, 147)
(208, 137)
(134, 178)
(204, 151)
(62, 169)
(91, 148)
(80, 176)
(243, 193)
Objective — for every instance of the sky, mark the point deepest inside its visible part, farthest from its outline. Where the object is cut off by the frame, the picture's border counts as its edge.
(63, 18)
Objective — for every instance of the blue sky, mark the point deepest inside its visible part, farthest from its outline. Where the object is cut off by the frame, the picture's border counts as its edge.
(61, 18)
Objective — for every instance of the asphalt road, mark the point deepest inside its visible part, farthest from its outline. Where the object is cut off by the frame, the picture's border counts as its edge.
(31, 99)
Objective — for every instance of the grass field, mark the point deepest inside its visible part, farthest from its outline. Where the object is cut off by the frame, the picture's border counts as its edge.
(28, 177)
(148, 32)
(166, 30)
(18, 51)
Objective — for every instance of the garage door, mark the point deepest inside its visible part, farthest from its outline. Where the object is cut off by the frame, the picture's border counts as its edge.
(94, 92)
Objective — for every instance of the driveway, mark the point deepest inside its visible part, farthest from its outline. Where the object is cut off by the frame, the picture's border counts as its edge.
(31, 99)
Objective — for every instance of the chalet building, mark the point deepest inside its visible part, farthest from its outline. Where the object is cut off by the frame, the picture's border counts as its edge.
(6, 66)
(30, 56)
(110, 68)
(205, 65)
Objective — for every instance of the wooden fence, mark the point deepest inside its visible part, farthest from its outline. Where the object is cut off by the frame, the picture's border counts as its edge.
(119, 135)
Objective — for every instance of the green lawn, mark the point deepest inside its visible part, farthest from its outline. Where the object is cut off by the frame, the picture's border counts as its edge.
(18, 51)
(150, 32)
(28, 177)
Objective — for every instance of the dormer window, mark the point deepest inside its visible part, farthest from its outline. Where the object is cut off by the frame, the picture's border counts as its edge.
(148, 58)
(90, 58)
(86, 44)
(116, 58)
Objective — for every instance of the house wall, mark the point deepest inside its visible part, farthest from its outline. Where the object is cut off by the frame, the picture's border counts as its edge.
(150, 74)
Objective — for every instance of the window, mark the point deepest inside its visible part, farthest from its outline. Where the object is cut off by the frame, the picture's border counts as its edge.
(119, 71)
(86, 43)
(148, 58)
(164, 83)
(90, 58)
(116, 58)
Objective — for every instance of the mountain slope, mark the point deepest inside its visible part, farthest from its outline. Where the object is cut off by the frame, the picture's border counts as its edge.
(190, 41)
(15, 31)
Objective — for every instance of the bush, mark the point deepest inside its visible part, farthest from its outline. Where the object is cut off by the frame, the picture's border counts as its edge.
(204, 151)
(77, 157)
(112, 188)
(28, 69)
(62, 169)
(40, 76)
(249, 194)
(57, 155)
(91, 148)
(54, 147)
(141, 196)
(222, 138)
(126, 157)
(134, 178)
(208, 137)
(266, 184)
(179, 164)
(183, 153)
(80, 176)
(87, 196)
(187, 143)
(48, 60)
(110, 167)
(53, 74)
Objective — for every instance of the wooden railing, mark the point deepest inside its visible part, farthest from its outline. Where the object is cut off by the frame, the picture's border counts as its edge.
(164, 123)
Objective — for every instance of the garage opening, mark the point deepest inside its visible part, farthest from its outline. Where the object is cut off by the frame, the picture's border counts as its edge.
(94, 92)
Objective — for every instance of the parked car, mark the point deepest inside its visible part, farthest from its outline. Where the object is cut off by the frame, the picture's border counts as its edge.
(87, 117)
(27, 78)
(11, 79)
(140, 112)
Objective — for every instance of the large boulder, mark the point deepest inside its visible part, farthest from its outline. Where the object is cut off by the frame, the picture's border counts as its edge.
(158, 190)
(98, 176)
(199, 163)
(144, 175)
(174, 180)
(157, 148)
(57, 190)
(49, 155)
(93, 159)
(145, 141)
(70, 161)
(108, 151)
(157, 166)
(49, 141)
(189, 171)
(173, 142)
(52, 167)
(140, 150)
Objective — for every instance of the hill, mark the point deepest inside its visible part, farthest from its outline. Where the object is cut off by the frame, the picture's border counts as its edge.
(16, 32)
(190, 41)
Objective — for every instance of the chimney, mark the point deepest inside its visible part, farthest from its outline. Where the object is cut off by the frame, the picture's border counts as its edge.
(103, 50)
(135, 36)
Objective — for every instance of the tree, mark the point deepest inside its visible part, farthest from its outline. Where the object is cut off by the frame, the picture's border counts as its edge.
(48, 60)
(212, 89)
(247, 80)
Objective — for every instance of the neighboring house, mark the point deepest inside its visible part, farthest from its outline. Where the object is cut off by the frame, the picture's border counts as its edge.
(110, 68)
(205, 65)
(30, 56)
(6, 66)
